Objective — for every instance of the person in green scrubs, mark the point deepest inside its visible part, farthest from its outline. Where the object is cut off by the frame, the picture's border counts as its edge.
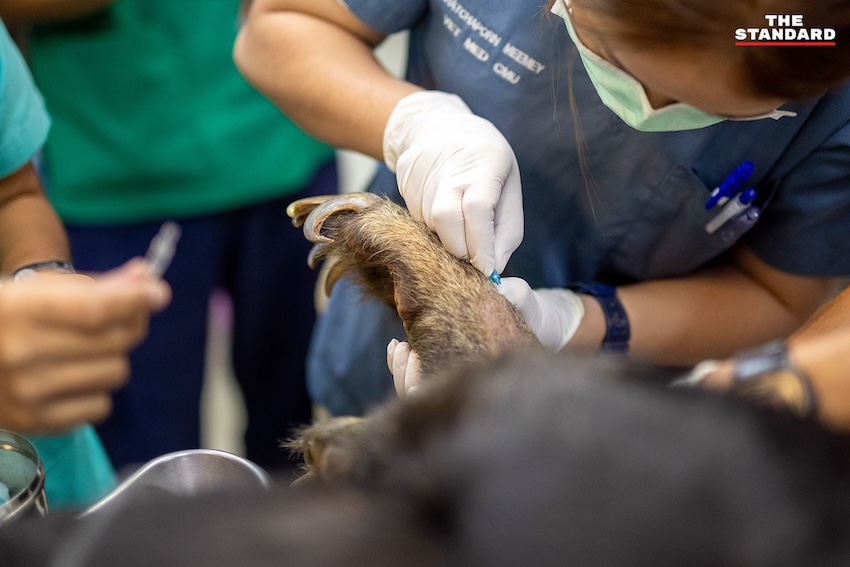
(152, 122)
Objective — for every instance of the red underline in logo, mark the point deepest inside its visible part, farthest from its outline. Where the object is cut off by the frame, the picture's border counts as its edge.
(785, 43)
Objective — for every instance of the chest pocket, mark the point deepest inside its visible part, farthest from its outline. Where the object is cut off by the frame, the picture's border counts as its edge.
(668, 237)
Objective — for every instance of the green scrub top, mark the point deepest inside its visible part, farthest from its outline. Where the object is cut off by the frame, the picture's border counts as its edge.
(152, 120)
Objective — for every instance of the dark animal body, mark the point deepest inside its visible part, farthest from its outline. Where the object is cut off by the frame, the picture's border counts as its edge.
(525, 460)
(504, 459)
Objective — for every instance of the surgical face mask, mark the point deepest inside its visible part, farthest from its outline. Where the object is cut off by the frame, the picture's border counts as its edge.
(624, 94)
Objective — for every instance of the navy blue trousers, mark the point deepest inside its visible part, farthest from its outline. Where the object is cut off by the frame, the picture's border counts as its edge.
(259, 258)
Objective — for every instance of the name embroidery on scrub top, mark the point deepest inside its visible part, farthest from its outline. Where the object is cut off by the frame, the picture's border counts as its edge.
(505, 59)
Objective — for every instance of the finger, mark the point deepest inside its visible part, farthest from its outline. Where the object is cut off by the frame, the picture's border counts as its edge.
(90, 307)
(136, 274)
(479, 211)
(34, 342)
(65, 413)
(45, 382)
(135, 269)
(408, 180)
(448, 221)
(400, 356)
(509, 221)
(412, 376)
(391, 346)
(516, 290)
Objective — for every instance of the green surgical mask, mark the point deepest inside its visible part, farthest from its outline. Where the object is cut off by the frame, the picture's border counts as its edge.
(624, 94)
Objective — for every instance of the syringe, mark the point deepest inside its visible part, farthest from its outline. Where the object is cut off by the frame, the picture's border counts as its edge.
(162, 248)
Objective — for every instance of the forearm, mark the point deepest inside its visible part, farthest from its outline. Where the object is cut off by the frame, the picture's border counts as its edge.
(30, 231)
(314, 60)
(26, 11)
(832, 317)
(710, 314)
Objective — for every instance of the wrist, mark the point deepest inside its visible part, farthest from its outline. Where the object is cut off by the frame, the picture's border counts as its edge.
(767, 374)
(591, 331)
(27, 271)
(608, 327)
(562, 312)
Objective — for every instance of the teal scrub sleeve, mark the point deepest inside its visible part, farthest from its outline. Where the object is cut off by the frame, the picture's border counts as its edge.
(24, 121)
(78, 472)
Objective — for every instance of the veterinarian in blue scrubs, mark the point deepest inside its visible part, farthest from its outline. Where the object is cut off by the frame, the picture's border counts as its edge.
(595, 136)
(64, 337)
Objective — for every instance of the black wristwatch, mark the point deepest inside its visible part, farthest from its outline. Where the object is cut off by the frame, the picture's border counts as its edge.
(617, 329)
(766, 374)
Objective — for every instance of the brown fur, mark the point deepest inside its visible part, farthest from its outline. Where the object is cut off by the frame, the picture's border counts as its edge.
(452, 313)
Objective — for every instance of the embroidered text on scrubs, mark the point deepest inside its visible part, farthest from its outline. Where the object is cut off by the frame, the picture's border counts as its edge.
(486, 33)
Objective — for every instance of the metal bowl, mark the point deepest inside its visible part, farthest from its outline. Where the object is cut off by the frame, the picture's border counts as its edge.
(185, 473)
(22, 472)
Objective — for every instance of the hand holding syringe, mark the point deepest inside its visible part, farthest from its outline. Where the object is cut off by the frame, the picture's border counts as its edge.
(93, 323)
(162, 248)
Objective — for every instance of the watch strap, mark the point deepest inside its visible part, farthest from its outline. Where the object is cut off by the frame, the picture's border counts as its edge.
(767, 372)
(29, 270)
(617, 328)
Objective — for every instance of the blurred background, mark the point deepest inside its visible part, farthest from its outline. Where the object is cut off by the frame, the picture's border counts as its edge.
(222, 408)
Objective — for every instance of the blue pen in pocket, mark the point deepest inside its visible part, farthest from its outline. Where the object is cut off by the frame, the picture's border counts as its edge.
(730, 185)
(731, 210)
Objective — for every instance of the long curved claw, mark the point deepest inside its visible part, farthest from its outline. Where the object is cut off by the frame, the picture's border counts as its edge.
(340, 203)
(315, 254)
(298, 210)
(335, 271)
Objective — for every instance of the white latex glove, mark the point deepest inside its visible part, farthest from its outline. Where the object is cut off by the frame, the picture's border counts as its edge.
(404, 364)
(553, 314)
(458, 175)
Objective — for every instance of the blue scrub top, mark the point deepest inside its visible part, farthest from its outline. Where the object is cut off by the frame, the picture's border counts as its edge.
(638, 211)
(602, 201)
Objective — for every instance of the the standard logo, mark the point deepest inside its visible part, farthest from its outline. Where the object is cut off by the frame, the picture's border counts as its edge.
(785, 30)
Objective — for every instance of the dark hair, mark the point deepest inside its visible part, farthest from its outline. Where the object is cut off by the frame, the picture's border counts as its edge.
(772, 71)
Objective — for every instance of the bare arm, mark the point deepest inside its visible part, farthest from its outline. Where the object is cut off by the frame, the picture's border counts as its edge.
(314, 60)
(29, 228)
(831, 318)
(711, 314)
(24, 11)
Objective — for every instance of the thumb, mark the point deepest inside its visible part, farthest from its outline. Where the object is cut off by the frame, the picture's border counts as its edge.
(525, 299)
(515, 290)
(136, 273)
(134, 270)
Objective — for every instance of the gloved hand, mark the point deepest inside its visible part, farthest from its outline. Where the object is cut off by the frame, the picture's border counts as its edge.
(458, 175)
(553, 314)
(404, 364)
